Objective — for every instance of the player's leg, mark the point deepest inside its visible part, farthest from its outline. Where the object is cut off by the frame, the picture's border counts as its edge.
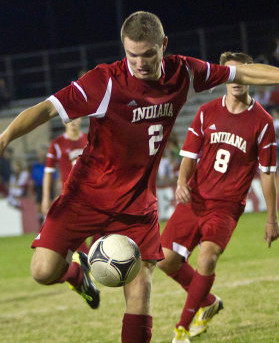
(53, 262)
(137, 320)
(145, 232)
(47, 266)
(217, 228)
(181, 232)
(201, 282)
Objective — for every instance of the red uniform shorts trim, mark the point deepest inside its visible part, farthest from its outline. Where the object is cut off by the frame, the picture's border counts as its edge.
(68, 224)
(188, 227)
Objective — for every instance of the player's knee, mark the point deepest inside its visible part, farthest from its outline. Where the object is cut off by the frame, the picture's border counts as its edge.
(41, 272)
(137, 293)
(139, 301)
(207, 263)
(171, 263)
(169, 266)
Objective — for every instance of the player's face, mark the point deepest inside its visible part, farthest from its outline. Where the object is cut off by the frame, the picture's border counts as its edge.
(145, 58)
(234, 88)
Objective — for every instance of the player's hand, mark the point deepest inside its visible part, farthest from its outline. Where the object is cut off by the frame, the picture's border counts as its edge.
(271, 233)
(182, 194)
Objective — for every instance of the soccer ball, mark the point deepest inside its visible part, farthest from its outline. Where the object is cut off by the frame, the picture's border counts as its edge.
(114, 260)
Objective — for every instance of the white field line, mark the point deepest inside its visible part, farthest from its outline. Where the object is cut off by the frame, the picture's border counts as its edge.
(238, 283)
(20, 314)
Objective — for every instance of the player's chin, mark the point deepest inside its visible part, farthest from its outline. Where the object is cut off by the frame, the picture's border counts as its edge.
(144, 76)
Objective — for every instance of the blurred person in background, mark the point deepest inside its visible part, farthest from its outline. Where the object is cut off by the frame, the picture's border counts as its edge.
(5, 171)
(275, 114)
(37, 176)
(169, 165)
(62, 153)
(275, 56)
(262, 96)
(18, 185)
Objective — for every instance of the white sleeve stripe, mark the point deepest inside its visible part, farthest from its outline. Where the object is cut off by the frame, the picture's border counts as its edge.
(262, 134)
(59, 108)
(271, 169)
(269, 145)
(188, 154)
(58, 150)
(208, 71)
(194, 132)
(49, 170)
(50, 155)
(102, 109)
(232, 73)
(201, 116)
(81, 90)
(191, 90)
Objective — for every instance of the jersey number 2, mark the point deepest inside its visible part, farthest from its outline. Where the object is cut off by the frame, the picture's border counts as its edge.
(222, 160)
(156, 133)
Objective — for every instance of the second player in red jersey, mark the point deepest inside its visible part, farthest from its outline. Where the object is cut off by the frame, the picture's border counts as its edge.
(62, 154)
(230, 137)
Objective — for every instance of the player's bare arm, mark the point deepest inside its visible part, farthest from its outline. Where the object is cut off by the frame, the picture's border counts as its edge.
(27, 121)
(269, 192)
(186, 170)
(46, 199)
(256, 74)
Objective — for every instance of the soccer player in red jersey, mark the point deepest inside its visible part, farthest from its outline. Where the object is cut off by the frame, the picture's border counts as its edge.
(63, 151)
(231, 137)
(132, 105)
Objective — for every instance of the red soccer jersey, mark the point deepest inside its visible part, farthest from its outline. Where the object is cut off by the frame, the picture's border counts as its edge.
(64, 153)
(231, 147)
(130, 121)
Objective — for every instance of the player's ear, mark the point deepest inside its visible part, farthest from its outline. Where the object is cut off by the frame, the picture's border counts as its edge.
(165, 43)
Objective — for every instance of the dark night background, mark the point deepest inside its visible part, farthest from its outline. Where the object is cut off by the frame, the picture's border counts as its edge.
(35, 25)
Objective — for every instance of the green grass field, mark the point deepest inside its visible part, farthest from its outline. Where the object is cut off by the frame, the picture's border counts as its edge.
(247, 280)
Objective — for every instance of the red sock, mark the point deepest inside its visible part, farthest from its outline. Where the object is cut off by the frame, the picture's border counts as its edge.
(136, 328)
(198, 290)
(73, 275)
(184, 277)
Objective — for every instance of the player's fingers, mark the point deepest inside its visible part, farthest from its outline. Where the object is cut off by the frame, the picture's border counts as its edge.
(182, 197)
(265, 236)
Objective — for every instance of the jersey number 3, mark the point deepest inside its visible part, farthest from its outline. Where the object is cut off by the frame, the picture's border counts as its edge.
(222, 160)
(156, 133)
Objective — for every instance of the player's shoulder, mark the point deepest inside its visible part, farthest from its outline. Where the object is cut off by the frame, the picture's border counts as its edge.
(214, 104)
(260, 112)
(181, 60)
(105, 70)
(58, 140)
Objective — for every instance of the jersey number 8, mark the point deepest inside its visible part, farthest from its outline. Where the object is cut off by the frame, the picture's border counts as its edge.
(222, 160)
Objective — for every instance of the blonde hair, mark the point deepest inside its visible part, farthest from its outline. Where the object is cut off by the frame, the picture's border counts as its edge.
(235, 56)
(143, 26)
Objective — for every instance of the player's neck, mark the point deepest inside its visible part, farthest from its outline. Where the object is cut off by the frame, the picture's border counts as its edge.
(237, 104)
(74, 135)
